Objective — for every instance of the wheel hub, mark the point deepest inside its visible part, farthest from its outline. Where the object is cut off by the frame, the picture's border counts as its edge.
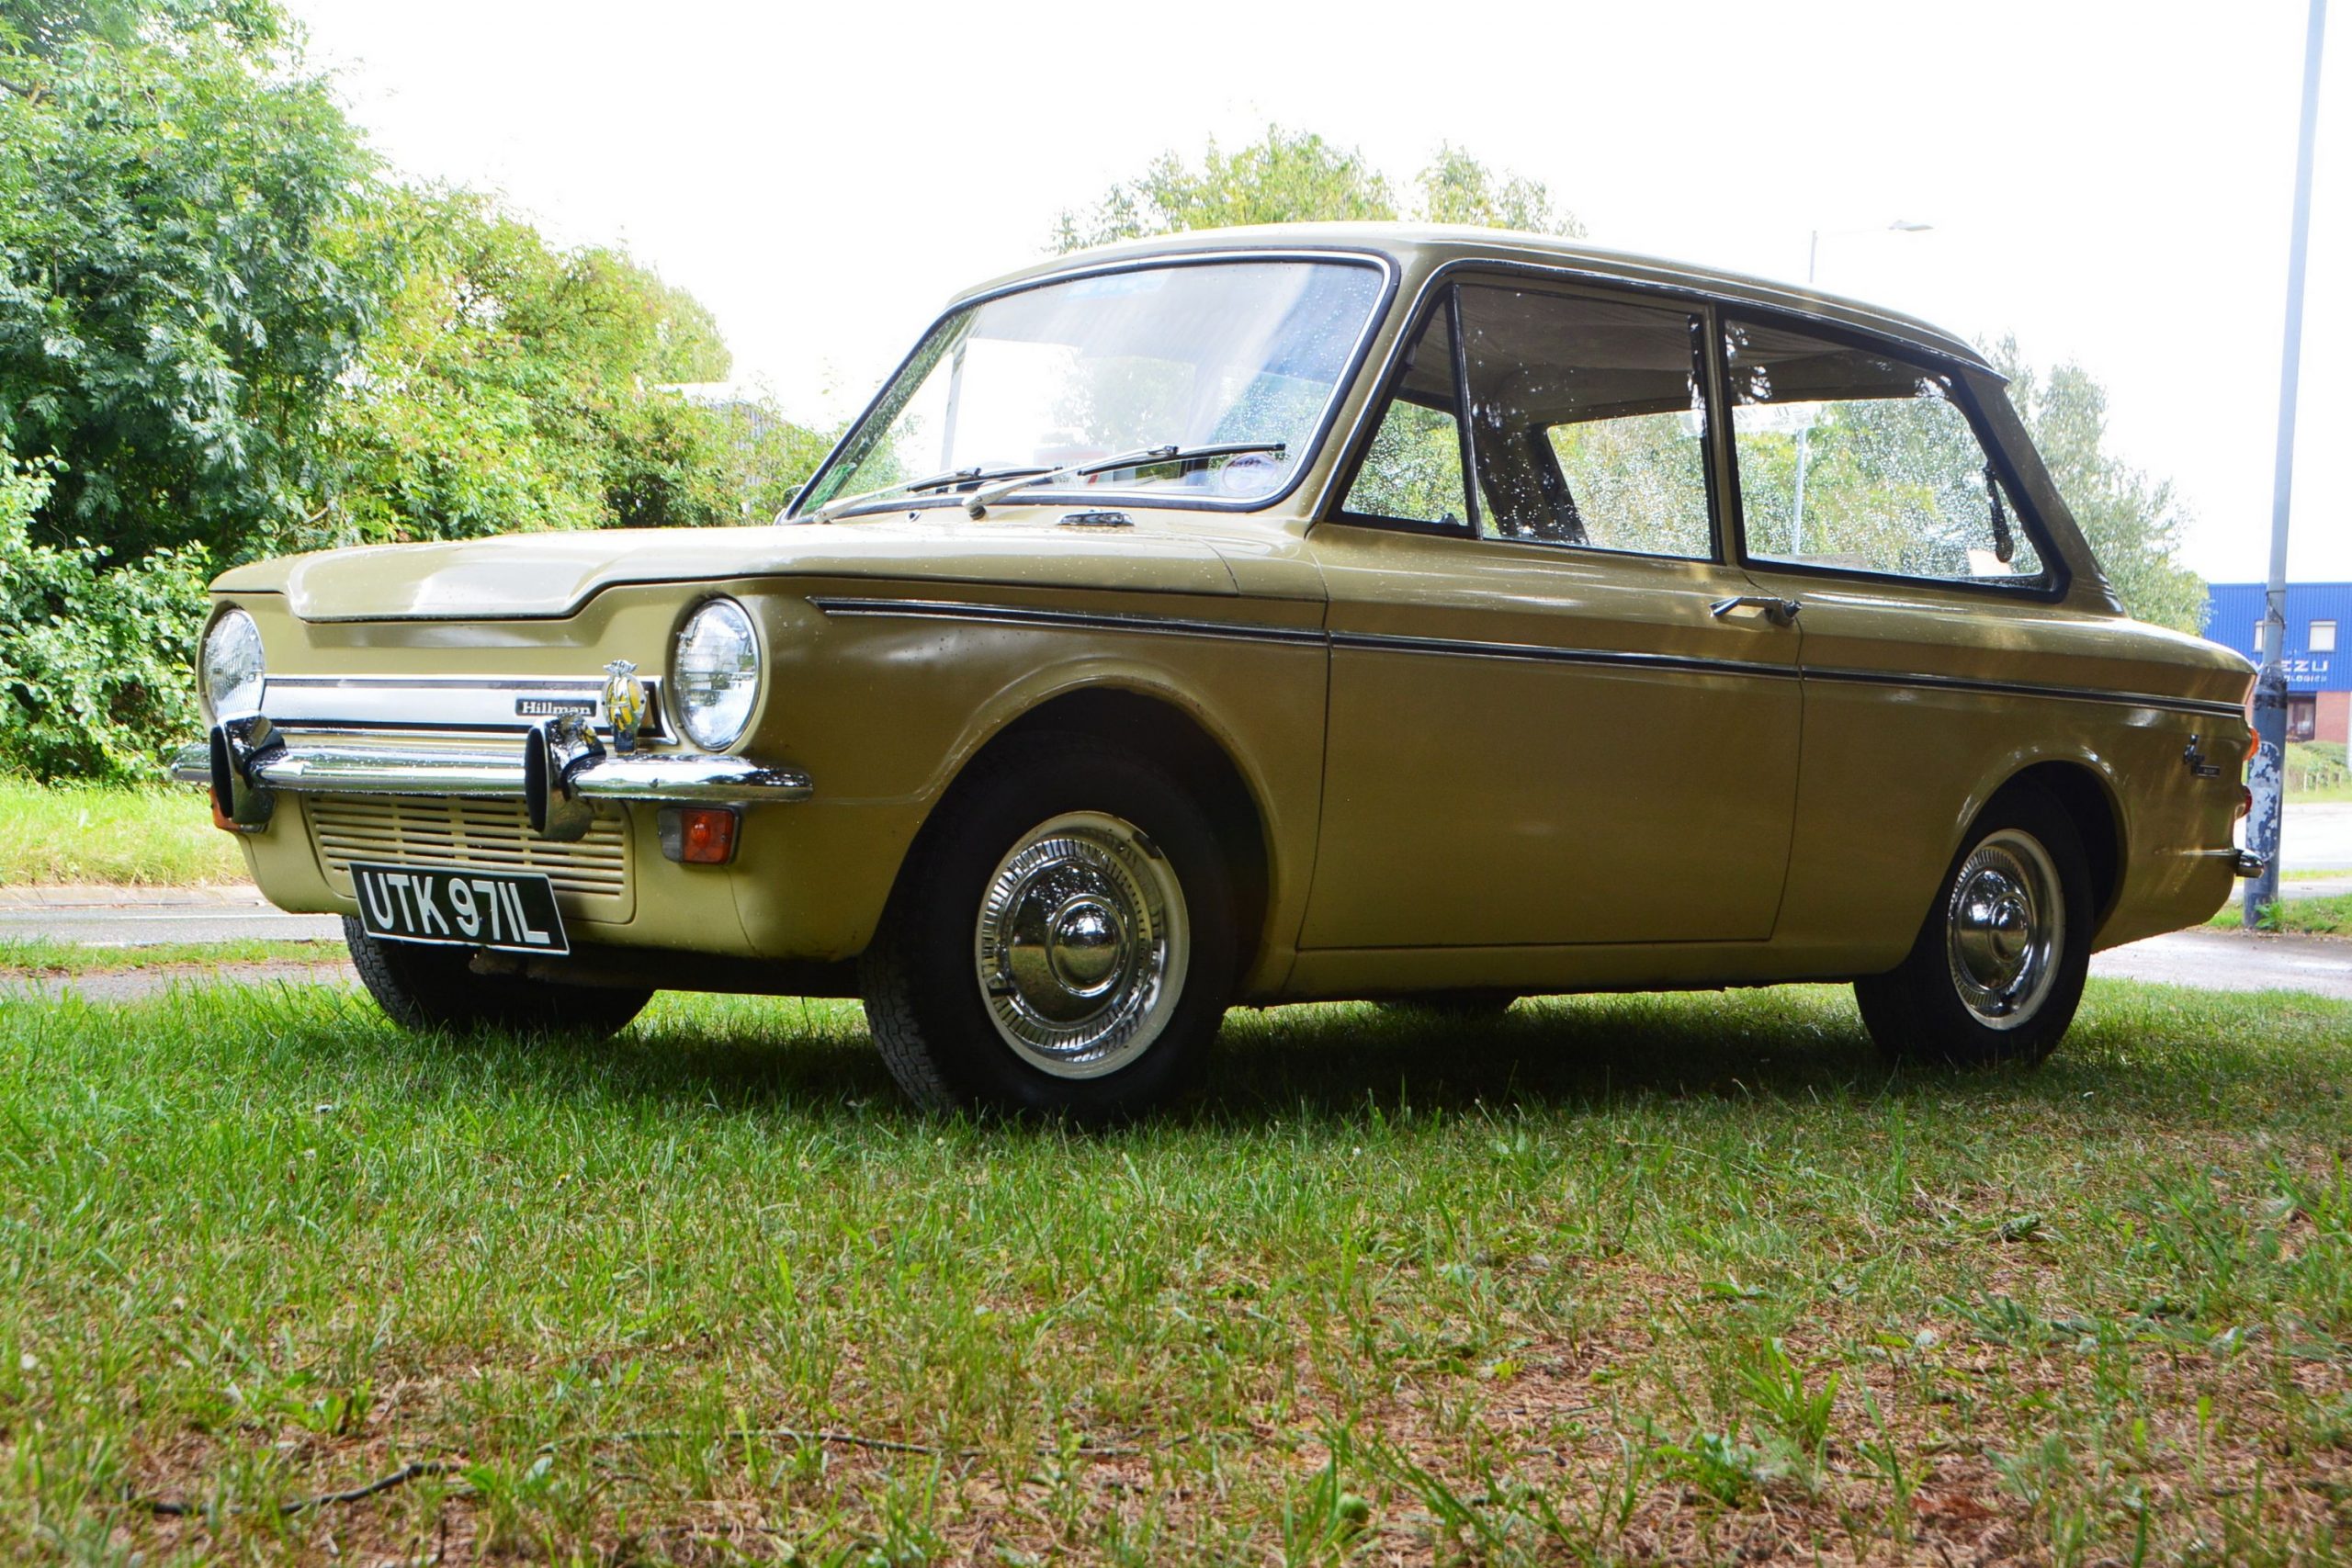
(1080, 944)
(2002, 924)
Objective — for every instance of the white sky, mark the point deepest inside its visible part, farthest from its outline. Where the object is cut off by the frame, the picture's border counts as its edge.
(2110, 183)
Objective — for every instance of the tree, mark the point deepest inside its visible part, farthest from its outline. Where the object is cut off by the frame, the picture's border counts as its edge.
(1457, 188)
(1283, 178)
(45, 27)
(2133, 523)
(1298, 177)
(511, 386)
(177, 294)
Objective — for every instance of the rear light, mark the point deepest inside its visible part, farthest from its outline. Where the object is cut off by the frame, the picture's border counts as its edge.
(698, 835)
(2245, 800)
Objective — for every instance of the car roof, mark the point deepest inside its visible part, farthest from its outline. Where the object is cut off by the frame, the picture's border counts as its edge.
(1423, 247)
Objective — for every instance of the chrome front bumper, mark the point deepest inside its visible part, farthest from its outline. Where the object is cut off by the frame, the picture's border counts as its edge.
(559, 771)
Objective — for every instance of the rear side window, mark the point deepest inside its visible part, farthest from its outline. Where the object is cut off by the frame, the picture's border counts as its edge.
(1853, 458)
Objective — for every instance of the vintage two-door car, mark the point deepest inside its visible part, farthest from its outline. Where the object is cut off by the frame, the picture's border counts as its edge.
(1262, 616)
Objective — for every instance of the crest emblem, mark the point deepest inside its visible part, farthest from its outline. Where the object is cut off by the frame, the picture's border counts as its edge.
(624, 703)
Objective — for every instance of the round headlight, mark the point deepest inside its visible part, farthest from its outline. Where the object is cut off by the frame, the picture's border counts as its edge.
(717, 670)
(230, 671)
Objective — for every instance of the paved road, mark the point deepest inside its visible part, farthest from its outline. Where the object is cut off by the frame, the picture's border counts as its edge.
(2232, 961)
(138, 985)
(2316, 838)
(143, 917)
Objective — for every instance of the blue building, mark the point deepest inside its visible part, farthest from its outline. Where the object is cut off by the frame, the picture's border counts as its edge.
(2319, 678)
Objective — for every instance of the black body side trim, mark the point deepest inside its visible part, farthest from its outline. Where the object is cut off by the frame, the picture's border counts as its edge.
(2021, 689)
(1377, 642)
(1028, 615)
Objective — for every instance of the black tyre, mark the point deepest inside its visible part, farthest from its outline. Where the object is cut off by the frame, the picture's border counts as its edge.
(1061, 940)
(1997, 969)
(425, 988)
(1454, 1006)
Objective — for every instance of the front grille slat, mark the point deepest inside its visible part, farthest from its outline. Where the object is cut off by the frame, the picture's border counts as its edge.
(591, 876)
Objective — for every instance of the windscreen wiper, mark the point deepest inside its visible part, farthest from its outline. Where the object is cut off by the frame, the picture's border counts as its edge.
(987, 495)
(840, 504)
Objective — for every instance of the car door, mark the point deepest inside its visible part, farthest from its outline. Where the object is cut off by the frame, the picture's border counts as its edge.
(1556, 716)
(1874, 494)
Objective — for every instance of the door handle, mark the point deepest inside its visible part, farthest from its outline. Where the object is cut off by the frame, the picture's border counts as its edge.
(1780, 612)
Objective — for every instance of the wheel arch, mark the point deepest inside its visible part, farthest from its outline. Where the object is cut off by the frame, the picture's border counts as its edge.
(1158, 723)
(2090, 800)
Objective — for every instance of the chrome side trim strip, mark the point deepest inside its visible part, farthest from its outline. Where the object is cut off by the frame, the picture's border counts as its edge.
(1029, 615)
(2025, 689)
(1379, 642)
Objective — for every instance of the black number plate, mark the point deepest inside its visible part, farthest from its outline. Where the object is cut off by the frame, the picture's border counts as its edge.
(512, 911)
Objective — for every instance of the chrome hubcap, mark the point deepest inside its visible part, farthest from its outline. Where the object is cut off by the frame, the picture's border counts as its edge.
(1081, 944)
(2001, 928)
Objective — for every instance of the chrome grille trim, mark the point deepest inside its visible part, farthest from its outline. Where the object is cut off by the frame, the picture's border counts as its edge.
(475, 702)
(591, 874)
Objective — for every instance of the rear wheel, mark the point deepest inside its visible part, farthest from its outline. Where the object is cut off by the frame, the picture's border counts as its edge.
(425, 988)
(1998, 967)
(1062, 941)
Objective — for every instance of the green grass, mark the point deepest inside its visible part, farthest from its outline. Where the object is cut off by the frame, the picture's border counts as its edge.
(42, 956)
(163, 836)
(2330, 916)
(1611, 1279)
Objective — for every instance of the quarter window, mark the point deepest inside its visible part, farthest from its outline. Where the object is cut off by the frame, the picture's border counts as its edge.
(1587, 424)
(1412, 471)
(1851, 458)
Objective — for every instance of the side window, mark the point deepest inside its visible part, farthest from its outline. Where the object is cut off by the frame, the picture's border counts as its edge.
(1587, 421)
(1849, 457)
(1412, 471)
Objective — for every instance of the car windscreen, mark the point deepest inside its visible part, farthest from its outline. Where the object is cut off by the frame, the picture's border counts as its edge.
(1173, 356)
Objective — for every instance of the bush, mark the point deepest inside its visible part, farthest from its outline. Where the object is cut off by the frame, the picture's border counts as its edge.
(2316, 765)
(96, 665)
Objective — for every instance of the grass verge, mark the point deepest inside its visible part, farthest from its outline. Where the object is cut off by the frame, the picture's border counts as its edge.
(2329, 916)
(1610, 1279)
(159, 837)
(46, 957)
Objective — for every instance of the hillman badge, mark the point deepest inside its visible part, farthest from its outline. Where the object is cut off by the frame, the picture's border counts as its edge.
(624, 703)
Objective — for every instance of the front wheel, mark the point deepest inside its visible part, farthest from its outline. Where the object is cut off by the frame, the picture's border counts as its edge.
(1061, 941)
(1997, 969)
(425, 988)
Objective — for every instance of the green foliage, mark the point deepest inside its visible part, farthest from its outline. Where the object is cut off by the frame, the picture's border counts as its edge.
(222, 336)
(178, 293)
(46, 26)
(509, 386)
(2133, 523)
(97, 666)
(1457, 188)
(1298, 177)
(2315, 767)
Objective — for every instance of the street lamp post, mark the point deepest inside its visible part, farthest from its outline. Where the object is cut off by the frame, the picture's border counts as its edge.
(1805, 431)
(2267, 778)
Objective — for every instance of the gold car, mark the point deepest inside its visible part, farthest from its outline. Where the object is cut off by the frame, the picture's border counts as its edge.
(1263, 616)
